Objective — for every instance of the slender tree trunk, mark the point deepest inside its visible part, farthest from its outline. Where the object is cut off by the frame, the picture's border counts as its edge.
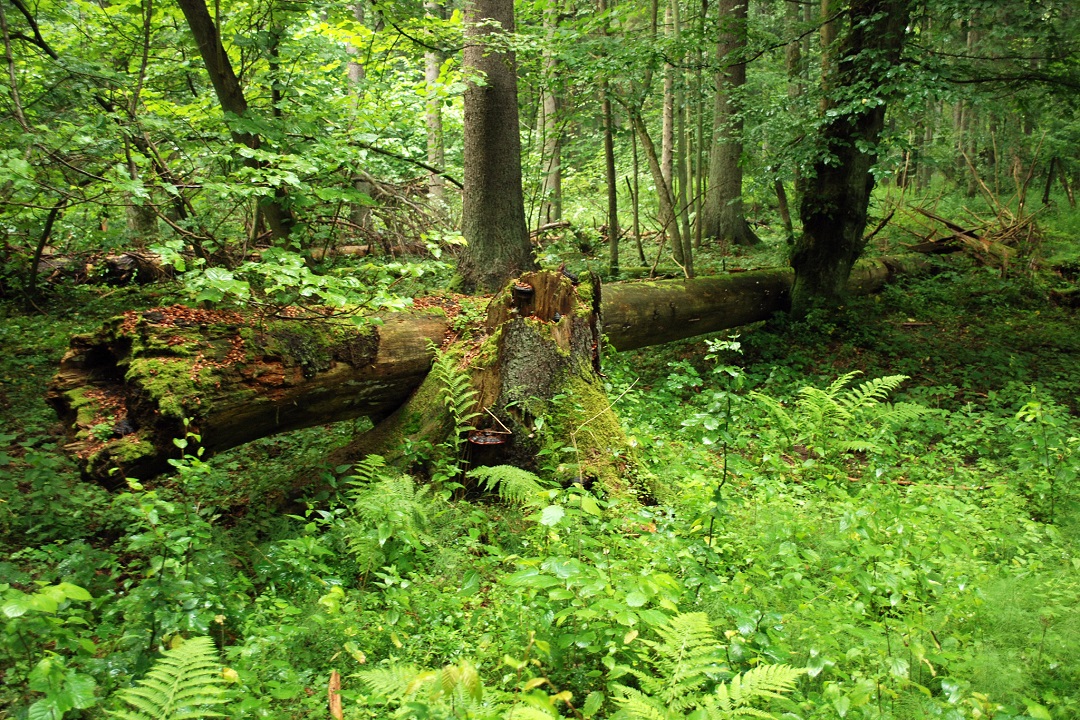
(359, 212)
(436, 157)
(551, 209)
(723, 215)
(682, 152)
(634, 190)
(612, 182)
(493, 205)
(834, 207)
(667, 146)
(668, 220)
(231, 98)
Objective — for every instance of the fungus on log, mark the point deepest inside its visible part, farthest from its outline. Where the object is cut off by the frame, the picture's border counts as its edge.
(125, 391)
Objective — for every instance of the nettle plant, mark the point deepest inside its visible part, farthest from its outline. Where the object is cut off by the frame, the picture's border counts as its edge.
(1046, 453)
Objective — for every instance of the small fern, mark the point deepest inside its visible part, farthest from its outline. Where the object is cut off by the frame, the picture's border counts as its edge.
(459, 398)
(457, 685)
(184, 683)
(367, 470)
(515, 485)
(456, 391)
(679, 667)
(389, 520)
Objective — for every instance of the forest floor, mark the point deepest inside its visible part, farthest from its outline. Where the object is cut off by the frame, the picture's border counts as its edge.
(913, 544)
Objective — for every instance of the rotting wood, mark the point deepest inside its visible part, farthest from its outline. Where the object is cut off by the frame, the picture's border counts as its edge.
(125, 391)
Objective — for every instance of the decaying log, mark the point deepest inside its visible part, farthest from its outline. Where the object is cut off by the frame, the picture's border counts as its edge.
(126, 391)
(143, 379)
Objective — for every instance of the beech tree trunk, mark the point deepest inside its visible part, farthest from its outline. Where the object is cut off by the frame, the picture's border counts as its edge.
(493, 205)
(125, 391)
(722, 216)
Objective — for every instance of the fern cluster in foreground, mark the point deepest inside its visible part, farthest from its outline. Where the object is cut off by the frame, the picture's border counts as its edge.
(680, 672)
(185, 683)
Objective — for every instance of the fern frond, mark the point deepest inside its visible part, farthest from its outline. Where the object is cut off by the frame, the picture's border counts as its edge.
(456, 390)
(184, 683)
(687, 653)
(899, 413)
(392, 681)
(367, 470)
(778, 413)
(765, 681)
(871, 392)
(636, 705)
(842, 382)
(515, 485)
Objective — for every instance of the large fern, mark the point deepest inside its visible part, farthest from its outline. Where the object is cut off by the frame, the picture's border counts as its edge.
(733, 699)
(679, 666)
(186, 682)
(515, 485)
(839, 419)
(679, 672)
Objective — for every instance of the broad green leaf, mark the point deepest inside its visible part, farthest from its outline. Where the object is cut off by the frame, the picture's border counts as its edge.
(551, 515)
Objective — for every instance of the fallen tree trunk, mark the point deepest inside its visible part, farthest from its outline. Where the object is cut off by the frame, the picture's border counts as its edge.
(144, 379)
(639, 314)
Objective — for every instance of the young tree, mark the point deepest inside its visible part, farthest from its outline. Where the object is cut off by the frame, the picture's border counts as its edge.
(837, 195)
(493, 205)
(230, 96)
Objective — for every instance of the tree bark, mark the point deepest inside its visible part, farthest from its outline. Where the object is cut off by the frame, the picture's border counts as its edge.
(722, 217)
(231, 98)
(125, 391)
(493, 205)
(436, 155)
(551, 132)
(836, 199)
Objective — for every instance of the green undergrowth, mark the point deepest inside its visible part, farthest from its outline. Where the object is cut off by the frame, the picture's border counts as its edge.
(869, 515)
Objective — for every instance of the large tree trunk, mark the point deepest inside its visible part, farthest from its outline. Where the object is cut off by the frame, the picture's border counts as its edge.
(836, 199)
(493, 206)
(125, 391)
(722, 215)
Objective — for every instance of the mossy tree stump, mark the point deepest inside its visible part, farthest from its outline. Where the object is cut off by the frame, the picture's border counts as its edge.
(535, 373)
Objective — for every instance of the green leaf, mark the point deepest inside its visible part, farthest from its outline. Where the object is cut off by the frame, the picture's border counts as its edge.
(636, 599)
(74, 592)
(81, 690)
(1037, 711)
(551, 515)
(592, 703)
(590, 506)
